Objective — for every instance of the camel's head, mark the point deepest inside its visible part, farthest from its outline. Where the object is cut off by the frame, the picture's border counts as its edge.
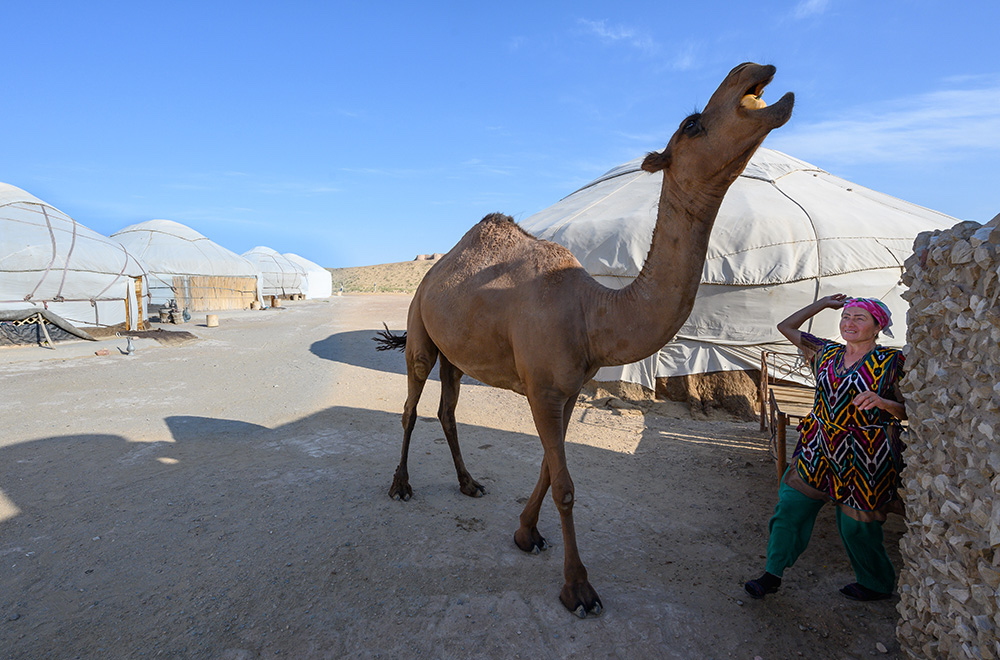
(712, 147)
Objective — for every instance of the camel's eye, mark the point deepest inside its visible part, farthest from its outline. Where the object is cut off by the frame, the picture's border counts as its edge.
(692, 125)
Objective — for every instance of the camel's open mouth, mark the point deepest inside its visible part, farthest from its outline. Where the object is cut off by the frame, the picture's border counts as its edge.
(751, 98)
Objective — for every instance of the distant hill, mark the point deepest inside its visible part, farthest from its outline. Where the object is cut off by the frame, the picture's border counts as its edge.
(384, 278)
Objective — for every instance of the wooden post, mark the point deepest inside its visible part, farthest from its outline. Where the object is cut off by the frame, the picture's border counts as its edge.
(762, 390)
(41, 321)
(779, 441)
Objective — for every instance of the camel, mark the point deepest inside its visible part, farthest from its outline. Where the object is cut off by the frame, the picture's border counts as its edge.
(520, 313)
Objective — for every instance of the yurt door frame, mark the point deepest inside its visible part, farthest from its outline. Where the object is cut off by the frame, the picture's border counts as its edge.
(133, 305)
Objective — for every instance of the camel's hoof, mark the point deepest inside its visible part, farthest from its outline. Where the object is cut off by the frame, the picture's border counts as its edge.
(400, 492)
(581, 612)
(581, 600)
(534, 545)
(473, 489)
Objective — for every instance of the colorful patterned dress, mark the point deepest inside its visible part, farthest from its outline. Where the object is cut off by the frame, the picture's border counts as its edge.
(850, 456)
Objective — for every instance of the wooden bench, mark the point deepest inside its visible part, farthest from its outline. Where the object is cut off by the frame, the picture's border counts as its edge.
(783, 401)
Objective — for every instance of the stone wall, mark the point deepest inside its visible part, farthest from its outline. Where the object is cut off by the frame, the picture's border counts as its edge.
(949, 598)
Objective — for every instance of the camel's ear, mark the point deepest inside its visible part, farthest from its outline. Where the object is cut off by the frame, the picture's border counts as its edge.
(657, 160)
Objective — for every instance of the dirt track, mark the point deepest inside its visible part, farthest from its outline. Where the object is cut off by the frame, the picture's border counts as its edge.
(226, 498)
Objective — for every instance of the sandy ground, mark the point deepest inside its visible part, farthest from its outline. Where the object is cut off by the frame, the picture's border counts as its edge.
(227, 498)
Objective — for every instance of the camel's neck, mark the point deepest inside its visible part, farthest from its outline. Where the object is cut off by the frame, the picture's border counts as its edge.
(632, 323)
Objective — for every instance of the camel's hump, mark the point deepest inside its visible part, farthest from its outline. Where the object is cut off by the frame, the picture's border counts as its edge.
(501, 222)
(499, 231)
(498, 239)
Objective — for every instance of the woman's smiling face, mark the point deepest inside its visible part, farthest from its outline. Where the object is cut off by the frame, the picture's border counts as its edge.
(857, 325)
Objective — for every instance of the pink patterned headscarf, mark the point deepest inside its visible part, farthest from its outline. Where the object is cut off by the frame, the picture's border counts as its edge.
(876, 308)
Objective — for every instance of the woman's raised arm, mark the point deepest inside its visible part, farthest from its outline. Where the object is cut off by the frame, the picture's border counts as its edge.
(790, 326)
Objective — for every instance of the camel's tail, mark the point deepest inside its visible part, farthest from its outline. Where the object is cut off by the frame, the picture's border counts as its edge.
(389, 342)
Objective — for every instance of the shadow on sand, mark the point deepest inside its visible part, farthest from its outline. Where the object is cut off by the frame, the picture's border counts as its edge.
(237, 540)
(356, 348)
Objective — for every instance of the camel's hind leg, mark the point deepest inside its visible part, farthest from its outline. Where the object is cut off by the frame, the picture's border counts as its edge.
(421, 354)
(451, 381)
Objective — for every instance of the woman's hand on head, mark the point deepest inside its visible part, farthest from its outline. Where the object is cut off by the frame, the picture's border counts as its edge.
(836, 301)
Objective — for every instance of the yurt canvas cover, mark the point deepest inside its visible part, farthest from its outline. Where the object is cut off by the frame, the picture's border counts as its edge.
(280, 277)
(36, 326)
(50, 261)
(318, 281)
(186, 266)
(787, 234)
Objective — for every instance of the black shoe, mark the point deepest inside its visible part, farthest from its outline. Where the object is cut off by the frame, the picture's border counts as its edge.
(765, 584)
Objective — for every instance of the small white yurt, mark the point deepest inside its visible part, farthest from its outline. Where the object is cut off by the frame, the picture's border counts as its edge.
(787, 234)
(187, 267)
(319, 282)
(279, 276)
(49, 261)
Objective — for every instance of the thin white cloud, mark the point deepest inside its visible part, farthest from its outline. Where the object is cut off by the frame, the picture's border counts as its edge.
(188, 186)
(396, 173)
(935, 126)
(203, 218)
(684, 58)
(208, 182)
(807, 8)
(295, 188)
(612, 34)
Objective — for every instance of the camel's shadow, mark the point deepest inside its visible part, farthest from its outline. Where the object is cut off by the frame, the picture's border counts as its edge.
(357, 348)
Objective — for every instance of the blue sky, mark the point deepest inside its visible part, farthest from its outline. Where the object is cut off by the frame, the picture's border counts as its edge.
(364, 133)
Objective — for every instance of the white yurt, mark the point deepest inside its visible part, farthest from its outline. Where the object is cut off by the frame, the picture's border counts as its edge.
(279, 276)
(187, 267)
(319, 282)
(49, 261)
(787, 234)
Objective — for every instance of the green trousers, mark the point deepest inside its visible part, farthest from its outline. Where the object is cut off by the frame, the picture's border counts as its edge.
(792, 525)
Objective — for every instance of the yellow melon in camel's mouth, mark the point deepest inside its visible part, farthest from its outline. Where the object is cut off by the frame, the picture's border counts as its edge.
(751, 102)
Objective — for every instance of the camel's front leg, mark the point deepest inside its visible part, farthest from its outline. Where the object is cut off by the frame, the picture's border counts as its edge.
(527, 536)
(548, 410)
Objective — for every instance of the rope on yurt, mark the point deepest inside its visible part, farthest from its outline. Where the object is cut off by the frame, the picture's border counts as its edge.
(52, 260)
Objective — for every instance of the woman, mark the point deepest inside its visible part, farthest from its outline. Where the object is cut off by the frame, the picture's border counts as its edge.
(849, 450)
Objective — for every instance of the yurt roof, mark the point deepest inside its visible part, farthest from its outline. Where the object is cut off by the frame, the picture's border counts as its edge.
(45, 255)
(37, 237)
(279, 273)
(319, 283)
(166, 246)
(271, 260)
(786, 234)
(783, 220)
(304, 263)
